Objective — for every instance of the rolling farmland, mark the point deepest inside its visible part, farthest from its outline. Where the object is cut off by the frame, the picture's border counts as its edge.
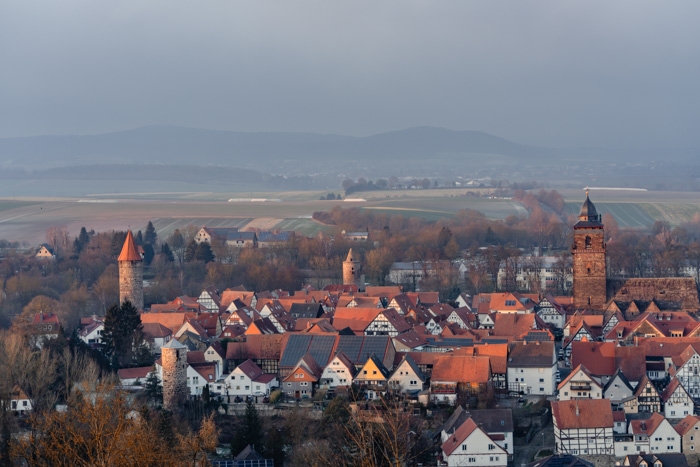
(28, 219)
(639, 209)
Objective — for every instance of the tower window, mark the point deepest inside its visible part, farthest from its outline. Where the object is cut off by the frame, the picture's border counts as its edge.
(588, 270)
(588, 241)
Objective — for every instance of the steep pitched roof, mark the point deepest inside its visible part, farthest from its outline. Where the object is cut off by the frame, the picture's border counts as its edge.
(537, 354)
(461, 369)
(687, 424)
(408, 360)
(257, 346)
(129, 251)
(670, 389)
(377, 363)
(250, 369)
(642, 384)
(598, 357)
(578, 369)
(621, 376)
(648, 426)
(462, 433)
(155, 330)
(582, 413)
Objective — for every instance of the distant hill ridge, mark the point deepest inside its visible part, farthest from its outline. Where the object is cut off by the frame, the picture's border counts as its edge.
(187, 146)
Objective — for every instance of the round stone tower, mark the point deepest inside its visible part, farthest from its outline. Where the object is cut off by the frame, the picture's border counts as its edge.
(174, 363)
(351, 270)
(131, 273)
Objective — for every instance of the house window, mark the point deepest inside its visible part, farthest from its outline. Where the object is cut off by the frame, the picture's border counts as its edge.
(464, 447)
(491, 447)
(472, 459)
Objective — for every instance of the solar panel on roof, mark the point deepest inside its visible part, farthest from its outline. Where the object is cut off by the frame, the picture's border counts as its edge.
(320, 348)
(351, 346)
(373, 345)
(494, 341)
(450, 341)
(297, 346)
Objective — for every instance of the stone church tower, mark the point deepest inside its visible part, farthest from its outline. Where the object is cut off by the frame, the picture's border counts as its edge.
(351, 270)
(174, 364)
(589, 260)
(131, 273)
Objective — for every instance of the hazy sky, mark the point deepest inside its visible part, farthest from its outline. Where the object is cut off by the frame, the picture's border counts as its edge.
(556, 73)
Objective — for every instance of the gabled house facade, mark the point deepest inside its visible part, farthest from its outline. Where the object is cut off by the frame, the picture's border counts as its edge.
(689, 431)
(648, 399)
(583, 427)
(407, 377)
(579, 385)
(551, 312)
(339, 372)
(387, 323)
(372, 377)
(620, 392)
(687, 366)
(470, 445)
(248, 379)
(301, 382)
(676, 401)
(655, 435)
(20, 403)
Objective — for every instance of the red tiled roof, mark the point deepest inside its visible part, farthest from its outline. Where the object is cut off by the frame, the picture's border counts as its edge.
(45, 318)
(250, 369)
(129, 373)
(687, 424)
(597, 357)
(462, 433)
(619, 416)
(582, 413)
(129, 251)
(648, 426)
(461, 369)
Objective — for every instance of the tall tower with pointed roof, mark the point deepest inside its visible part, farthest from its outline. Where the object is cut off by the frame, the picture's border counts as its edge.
(589, 259)
(131, 273)
(351, 270)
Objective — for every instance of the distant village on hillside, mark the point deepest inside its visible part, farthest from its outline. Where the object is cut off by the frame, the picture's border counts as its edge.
(566, 364)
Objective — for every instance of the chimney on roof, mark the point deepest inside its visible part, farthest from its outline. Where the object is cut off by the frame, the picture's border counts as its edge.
(577, 411)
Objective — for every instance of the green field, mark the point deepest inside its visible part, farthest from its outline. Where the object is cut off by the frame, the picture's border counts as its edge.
(434, 208)
(642, 209)
(28, 219)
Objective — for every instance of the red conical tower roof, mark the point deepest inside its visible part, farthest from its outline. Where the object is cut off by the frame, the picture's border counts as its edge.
(129, 250)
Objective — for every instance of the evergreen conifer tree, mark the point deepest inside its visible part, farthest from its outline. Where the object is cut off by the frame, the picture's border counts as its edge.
(122, 334)
(150, 236)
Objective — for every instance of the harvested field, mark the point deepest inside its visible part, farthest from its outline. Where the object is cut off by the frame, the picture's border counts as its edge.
(262, 223)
